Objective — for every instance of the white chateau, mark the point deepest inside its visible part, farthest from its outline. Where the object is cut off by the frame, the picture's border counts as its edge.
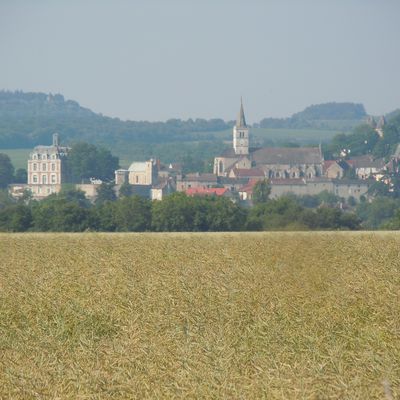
(46, 168)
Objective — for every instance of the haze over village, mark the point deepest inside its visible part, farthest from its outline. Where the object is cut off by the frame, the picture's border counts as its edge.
(199, 199)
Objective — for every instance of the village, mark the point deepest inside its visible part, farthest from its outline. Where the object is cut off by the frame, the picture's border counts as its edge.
(300, 170)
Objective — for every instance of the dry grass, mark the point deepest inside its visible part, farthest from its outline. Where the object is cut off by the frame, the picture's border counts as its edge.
(235, 316)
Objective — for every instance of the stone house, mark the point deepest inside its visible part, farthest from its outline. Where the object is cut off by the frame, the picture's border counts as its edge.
(163, 188)
(335, 169)
(366, 166)
(340, 187)
(138, 173)
(195, 180)
(251, 173)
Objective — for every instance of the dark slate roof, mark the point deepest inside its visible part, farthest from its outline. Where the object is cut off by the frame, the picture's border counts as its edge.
(287, 155)
(229, 153)
(366, 162)
(141, 190)
(241, 120)
(251, 172)
(200, 178)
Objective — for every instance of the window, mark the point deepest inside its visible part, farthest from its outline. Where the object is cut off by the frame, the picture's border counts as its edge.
(137, 179)
(35, 167)
(53, 167)
(43, 167)
(53, 178)
(34, 157)
(34, 179)
(53, 156)
(44, 179)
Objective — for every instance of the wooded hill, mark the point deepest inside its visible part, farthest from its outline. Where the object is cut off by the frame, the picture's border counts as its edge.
(28, 119)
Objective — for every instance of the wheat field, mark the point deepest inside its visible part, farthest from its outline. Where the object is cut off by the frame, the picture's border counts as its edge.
(189, 316)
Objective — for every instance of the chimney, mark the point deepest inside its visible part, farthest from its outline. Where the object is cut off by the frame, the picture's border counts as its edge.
(56, 139)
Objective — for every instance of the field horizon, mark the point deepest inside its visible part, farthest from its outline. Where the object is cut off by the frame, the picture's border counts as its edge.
(277, 315)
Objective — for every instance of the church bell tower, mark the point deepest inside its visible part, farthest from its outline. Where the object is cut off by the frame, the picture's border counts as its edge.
(241, 133)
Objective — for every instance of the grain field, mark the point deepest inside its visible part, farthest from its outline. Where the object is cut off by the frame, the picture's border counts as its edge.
(189, 316)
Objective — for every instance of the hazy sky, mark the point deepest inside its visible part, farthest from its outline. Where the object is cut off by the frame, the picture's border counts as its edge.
(160, 59)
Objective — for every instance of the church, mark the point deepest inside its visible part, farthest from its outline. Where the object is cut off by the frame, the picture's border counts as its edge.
(275, 162)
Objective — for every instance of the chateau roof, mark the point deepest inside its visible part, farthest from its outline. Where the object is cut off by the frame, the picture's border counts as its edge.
(288, 155)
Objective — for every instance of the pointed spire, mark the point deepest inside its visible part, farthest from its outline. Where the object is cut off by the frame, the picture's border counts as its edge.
(241, 121)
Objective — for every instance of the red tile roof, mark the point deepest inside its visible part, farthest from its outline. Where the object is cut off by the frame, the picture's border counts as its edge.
(249, 187)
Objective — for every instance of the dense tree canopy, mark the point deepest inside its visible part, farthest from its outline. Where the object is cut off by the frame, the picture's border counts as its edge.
(87, 161)
(261, 192)
(6, 170)
(29, 119)
(70, 211)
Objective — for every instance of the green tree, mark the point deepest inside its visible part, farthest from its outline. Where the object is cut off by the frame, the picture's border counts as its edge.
(132, 214)
(6, 170)
(105, 192)
(15, 218)
(261, 192)
(21, 176)
(224, 215)
(57, 214)
(378, 212)
(88, 161)
(173, 214)
(104, 217)
(125, 190)
(5, 198)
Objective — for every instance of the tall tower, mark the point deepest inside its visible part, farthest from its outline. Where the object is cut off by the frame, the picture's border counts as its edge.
(241, 133)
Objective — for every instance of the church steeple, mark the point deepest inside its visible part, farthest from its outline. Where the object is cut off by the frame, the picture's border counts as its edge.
(241, 133)
(241, 120)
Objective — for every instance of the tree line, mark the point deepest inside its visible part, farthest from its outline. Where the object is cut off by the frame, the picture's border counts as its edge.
(365, 140)
(70, 211)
